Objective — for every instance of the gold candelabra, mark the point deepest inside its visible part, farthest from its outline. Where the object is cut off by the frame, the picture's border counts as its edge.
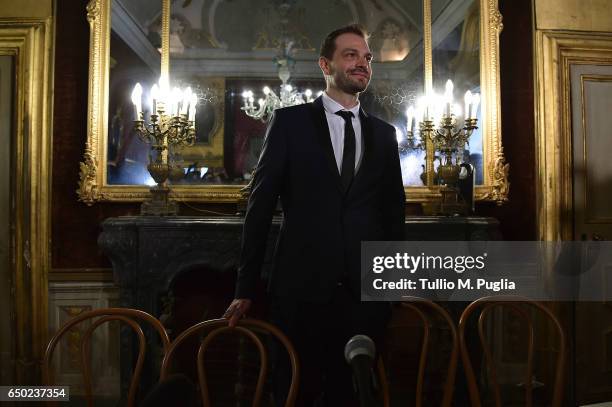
(449, 141)
(165, 130)
(447, 138)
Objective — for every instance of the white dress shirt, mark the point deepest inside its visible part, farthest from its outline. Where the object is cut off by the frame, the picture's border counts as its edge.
(335, 123)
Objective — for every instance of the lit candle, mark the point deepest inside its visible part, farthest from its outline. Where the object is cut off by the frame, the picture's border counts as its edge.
(186, 100)
(433, 107)
(423, 106)
(245, 98)
(154, 98)
(420, 109)
(475, 103)
(410, 123)
(137, 100)
(468, 104)
(251, 98)
(398, 135)
(177, 96)
(448, 97)
(170, 104)
(192, 107)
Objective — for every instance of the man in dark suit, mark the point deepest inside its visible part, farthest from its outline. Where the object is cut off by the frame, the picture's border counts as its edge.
(337, 172)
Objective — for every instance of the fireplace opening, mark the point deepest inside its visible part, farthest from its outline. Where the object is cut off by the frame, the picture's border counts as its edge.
(232, 362)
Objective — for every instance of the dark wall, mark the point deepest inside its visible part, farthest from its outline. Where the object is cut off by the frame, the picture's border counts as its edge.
(75, 226)
(518, 216)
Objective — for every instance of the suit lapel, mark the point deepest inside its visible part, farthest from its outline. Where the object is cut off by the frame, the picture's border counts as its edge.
(323, 138)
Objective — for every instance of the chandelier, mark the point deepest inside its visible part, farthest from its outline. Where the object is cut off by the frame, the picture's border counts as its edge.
(287, 42)
(287, 95)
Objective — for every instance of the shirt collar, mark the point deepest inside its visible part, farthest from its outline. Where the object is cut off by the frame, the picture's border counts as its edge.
(332, 106)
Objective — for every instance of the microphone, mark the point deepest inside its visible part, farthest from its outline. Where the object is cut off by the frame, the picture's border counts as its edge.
(359, 354)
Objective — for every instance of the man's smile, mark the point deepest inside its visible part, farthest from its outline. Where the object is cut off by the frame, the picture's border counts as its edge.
(360, 74)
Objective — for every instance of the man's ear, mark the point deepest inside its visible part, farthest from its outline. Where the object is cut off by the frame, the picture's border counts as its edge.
(324, 65)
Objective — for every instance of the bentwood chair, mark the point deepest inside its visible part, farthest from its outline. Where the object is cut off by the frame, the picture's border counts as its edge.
(521, 308)
(427, 312)
(217, 330)
(130, 317)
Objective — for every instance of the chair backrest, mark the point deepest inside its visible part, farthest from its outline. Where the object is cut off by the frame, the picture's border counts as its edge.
(212, 330)
(519, 306)
(130, 317)
(424, 308)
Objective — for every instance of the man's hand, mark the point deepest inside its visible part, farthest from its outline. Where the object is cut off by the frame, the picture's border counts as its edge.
(236, 310)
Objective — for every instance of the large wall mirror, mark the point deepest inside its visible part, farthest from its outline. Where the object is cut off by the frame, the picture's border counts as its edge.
(224, 49)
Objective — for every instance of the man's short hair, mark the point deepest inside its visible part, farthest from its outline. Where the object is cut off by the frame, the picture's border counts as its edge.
(329, 43)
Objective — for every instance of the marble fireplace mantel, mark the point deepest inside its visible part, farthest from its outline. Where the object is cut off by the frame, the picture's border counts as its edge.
(148, 253)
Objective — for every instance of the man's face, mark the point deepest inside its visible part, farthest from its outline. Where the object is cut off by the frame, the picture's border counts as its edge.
(350, 67)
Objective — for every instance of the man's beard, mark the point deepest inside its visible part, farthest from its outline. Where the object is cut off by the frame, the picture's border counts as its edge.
(348, 85)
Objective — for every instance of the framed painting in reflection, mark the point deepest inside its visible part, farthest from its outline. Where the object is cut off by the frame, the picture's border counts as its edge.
(203, 161)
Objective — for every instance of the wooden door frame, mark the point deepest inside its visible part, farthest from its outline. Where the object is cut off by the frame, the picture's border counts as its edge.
(30, 42)
(555, 52)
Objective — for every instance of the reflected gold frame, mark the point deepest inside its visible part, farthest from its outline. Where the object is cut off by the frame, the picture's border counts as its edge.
(93, 185)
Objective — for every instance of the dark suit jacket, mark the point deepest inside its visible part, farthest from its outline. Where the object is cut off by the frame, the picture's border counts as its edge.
(320, 238)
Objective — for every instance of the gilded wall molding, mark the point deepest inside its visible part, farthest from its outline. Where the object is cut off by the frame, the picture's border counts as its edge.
(29, 42)
(555, 52)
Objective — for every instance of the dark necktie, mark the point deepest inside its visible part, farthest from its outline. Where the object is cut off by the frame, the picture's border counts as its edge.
(348, 155)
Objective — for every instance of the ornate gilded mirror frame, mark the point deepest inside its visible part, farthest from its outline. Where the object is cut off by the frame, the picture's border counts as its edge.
(496, 185)
(93, 186)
